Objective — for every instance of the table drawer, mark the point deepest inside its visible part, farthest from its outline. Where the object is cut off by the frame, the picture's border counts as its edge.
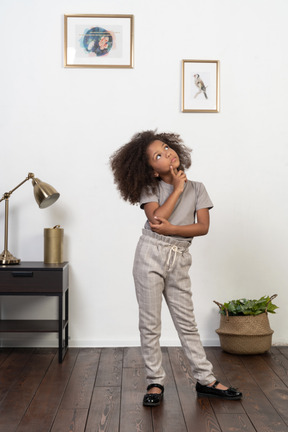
(26, 280)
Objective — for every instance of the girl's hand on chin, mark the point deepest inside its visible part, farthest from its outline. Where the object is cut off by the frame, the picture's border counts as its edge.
(178, 179)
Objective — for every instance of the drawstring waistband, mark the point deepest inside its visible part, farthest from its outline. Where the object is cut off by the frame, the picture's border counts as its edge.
(176, 250)
(166, 240)
(175, 246)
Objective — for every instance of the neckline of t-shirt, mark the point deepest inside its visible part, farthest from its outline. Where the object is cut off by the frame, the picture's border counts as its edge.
(168, 185)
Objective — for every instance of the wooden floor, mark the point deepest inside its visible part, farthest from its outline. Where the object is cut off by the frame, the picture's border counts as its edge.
(102, 389)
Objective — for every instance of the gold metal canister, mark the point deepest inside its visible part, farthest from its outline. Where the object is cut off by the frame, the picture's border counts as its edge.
(53, 245)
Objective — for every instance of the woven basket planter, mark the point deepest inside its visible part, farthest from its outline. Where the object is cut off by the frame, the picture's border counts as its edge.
(245, 334)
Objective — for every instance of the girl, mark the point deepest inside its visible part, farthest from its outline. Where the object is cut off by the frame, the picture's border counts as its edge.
(149, 170)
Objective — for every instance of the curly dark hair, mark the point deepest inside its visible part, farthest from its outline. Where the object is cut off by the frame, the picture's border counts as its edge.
(131, 170)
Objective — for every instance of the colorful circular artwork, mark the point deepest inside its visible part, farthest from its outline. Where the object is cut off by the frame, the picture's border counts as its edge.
(98, 41)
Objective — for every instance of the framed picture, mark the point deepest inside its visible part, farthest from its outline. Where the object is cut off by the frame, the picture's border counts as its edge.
(200, 86)
(98, 41)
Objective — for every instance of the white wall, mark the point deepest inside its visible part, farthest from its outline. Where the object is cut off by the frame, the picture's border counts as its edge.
(63, 124)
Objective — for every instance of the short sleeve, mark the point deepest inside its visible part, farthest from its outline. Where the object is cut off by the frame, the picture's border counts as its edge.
(202, 198)
(148, 196)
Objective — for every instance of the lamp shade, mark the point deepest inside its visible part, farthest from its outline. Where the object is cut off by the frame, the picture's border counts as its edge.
(45, 195)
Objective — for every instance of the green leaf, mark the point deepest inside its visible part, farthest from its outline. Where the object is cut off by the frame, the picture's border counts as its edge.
(248, 307)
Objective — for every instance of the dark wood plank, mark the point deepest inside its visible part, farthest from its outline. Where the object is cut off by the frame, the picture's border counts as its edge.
(235, 423)
(41, 413)
(16, 402)
(168, 417)
(4, 353)
(134, 417)
(261, 412)
(86, 392)
(284, 350)
(11, 368)
(278, 362)
(105, 405)
(110, 367)
(72, 420)
(198, 413)
(75, 404)
(79, 390)
(104, 411)
(133, 357)
(271, 385)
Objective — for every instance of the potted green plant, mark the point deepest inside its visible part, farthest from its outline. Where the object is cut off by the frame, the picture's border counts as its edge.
(244, 325)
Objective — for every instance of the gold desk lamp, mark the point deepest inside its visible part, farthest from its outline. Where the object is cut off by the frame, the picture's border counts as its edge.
(45, 195)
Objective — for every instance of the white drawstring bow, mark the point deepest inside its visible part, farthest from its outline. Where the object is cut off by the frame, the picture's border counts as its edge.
(176, 250)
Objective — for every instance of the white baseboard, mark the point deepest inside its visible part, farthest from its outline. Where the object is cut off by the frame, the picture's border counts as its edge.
(51, 341)
(41, 340)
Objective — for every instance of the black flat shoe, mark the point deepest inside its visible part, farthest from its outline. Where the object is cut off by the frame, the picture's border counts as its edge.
(231, 393)
(153, 399)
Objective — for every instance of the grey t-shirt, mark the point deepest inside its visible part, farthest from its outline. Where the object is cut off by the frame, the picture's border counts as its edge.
(194, 197)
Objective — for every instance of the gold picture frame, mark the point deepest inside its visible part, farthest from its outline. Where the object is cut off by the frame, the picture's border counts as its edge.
(98, 41)
(200, 86)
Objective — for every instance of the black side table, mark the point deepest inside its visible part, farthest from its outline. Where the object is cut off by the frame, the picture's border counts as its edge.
(38, 279)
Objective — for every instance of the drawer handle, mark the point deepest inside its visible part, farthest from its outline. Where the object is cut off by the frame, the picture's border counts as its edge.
(22, 274)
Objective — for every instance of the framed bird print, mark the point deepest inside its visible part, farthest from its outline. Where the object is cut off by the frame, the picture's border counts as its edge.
(200, 86)
(98, 41)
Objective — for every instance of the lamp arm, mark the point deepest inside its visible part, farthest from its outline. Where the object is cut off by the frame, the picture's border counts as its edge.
(8, 194)
(45, 195)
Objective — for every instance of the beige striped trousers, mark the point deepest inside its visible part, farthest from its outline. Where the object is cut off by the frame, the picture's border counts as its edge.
(161, 268)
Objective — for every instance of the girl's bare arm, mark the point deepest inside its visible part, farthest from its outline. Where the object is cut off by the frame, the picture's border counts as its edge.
(200, 228)
(152, 209)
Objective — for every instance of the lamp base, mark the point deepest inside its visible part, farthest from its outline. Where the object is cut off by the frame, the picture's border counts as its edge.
(7, 258)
